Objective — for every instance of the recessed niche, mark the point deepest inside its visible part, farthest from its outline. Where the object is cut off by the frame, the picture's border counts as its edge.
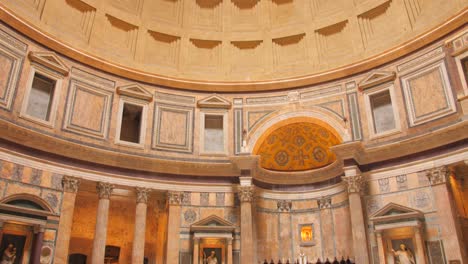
(40, 97)
(130, 129)
(382, 112)
(214, 134)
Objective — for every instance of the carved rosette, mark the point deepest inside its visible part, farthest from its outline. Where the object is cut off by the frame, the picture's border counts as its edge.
(438, 175)
(175, 198)
(142, 194)
(104, 190)
(284, 205)
(246, 194)
(355, 183)
(324, 203)
(70, 184)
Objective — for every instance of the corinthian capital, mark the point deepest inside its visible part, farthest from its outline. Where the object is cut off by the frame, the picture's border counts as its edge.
(70, 184)
(104, 190)
(174, 198)
(142, 194)
(324, 202)
(354, 183)
(246, 194)
(438, 175)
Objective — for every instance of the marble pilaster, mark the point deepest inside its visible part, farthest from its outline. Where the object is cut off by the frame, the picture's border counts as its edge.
(419, 246)
(380, 246)
(354, 181)
(246, 195)
(446, 211)
(326, 220)
(229, 250)
(196, 250)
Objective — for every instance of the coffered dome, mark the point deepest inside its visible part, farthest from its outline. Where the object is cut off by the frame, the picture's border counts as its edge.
(233, 45)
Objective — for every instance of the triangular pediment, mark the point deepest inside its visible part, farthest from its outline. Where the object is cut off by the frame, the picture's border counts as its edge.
(49, 60)
(393, 211)
(213, 223)
(135, 91)
(214, 101)
(376, 78)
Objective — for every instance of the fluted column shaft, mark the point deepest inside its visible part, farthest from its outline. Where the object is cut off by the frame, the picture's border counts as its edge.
(174, 200)
(70, 188)
(354, 182)
(102, 215)
(138, 252)
(246, 198)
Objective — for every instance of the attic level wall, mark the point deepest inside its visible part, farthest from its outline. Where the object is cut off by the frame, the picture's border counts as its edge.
(424, 95)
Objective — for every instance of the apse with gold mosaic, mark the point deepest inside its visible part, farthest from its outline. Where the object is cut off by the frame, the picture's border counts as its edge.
(297, 147)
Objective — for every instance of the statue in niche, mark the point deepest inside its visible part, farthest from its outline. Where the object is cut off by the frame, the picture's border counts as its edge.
(404, 255)
(211, 259)
(9, 255)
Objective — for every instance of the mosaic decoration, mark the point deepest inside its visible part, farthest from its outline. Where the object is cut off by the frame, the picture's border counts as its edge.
(297, 147)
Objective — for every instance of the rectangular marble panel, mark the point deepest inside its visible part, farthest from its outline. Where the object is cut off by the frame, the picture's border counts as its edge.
(10, 69)
(428, 94)
(173, 128)
(88, 109)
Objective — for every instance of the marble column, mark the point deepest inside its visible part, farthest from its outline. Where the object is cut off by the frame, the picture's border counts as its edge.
(246, 193)
(229, 250)
(37, 245)
(102, 215)
(450, 229)
(326, 220)
(354, 181)
(419, 246)
(196, 250)
(380, 246)
(70, 188)
(138, 252)
(174, 200)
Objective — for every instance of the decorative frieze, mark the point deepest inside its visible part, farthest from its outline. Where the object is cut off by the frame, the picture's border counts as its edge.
(104, 190)
(246, 194)
(438, 175)
(324, 202)
(284, 205)
(70, 184)
(142, 195)
(174, 198)
(354, 183)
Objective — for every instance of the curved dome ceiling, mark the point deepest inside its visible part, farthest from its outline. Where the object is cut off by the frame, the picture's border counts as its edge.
(297, 147)
(185, 43)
